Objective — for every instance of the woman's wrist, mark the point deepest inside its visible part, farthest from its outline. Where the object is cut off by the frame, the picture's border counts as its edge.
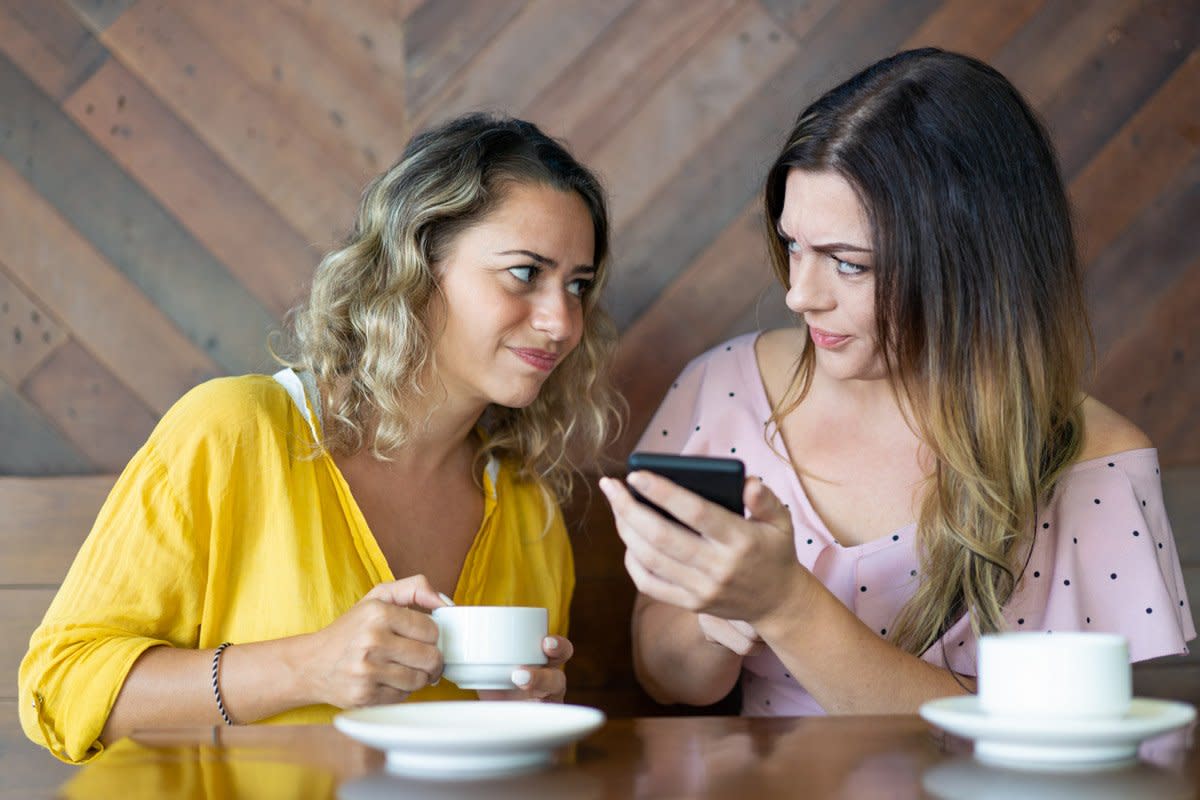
(800, 593)
(262, 679)
(295, 659)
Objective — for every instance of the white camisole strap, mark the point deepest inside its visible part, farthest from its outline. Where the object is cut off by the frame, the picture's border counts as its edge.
(301, 387)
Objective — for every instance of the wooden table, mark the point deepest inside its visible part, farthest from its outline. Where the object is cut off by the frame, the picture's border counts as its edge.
(721, 757)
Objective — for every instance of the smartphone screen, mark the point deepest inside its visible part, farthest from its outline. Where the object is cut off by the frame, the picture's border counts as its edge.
(719, 480)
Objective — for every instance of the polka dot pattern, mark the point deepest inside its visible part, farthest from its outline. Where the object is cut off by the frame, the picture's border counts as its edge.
(1088, 569)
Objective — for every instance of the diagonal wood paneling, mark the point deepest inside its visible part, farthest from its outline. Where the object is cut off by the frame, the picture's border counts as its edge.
(519, 49)
(269, 257)
(171, 170)
(137, 236)
(247, 127)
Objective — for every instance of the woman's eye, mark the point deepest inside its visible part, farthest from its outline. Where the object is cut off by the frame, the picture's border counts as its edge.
(579, 287)
(524, 274)
(846, 268)
(793, 247)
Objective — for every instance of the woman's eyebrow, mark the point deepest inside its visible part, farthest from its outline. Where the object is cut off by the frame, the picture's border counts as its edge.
(829, 247)
(840, 247)
(538, 257)
(549, 262)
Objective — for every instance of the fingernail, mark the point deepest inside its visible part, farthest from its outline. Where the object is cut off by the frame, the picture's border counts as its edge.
(550, 643)
(637, 480)
(521, 677)
(445, 599)
(606, 485)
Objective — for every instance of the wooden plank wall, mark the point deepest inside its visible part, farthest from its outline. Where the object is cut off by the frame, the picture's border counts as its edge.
(171, 170)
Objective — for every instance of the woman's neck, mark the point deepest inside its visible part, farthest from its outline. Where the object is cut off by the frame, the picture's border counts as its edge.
(440, 433)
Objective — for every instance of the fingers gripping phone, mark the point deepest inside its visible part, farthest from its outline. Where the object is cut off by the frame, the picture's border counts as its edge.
(719, 480)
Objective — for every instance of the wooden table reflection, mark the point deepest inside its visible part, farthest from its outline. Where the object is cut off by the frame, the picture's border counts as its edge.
(717, 757)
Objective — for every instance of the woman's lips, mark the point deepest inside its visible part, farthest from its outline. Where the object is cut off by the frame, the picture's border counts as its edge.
(541, 359)
(827, 340)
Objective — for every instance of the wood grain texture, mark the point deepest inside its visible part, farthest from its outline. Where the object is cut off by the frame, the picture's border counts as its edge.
(226, 215)
(28, 333)
(713, 186)
(45, 521)
(1181, 493)
(50, 44)
(521, 49)
(32, 445)
(977, 29)
(135, 234)
(369, 33)
(442, 39)
(1057, 42)
(348, 111)
(592, 98)
(171, 170)
(1150, 148)
(94, 410)
(1136, 57)
(246, 127)
(134, 339)
(689, 107)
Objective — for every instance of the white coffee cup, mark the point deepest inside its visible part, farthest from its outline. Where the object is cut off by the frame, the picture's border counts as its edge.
(482, 645)
(1055, 675)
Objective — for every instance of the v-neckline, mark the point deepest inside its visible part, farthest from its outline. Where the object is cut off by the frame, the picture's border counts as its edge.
(762, 401)
(372, 552)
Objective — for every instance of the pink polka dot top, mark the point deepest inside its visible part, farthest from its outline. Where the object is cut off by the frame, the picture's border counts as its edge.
(1104, 558)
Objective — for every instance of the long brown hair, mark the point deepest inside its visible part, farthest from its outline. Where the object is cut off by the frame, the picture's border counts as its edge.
(366, 326)
(978, 302)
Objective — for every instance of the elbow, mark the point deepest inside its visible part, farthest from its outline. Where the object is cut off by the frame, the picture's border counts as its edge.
(702, 693)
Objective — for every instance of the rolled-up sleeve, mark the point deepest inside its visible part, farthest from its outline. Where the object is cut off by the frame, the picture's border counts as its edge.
(137, 582)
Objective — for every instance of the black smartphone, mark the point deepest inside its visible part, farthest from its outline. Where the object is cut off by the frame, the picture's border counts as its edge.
(719, 480)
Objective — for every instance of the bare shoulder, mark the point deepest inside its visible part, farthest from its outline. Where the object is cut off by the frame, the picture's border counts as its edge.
(779, 348)
(1106, 432)
(777, 352)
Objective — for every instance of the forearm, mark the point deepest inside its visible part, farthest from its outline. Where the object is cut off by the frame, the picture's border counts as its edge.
(673, 660)
(171, 687)
(847, 667)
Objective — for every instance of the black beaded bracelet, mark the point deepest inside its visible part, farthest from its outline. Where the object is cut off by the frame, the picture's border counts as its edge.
(216, 668)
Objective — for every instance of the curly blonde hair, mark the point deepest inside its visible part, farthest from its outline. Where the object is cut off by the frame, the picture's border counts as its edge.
(366, 328)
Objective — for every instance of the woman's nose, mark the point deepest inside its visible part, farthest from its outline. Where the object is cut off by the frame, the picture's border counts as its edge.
(554, 315)
(807, 289)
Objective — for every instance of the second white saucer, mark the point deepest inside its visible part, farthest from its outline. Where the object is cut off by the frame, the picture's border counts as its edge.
(1041, 743)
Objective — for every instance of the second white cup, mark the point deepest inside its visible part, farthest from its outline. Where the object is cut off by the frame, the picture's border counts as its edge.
(1055, 675)
(482, 645)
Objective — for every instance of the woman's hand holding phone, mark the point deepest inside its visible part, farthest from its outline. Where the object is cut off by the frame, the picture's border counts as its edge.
(723, 571)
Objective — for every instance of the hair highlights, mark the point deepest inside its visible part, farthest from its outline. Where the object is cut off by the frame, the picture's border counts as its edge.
(979, 307)
(367, 331)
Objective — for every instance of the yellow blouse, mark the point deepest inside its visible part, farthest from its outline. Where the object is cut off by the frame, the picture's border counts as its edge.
(225, 527)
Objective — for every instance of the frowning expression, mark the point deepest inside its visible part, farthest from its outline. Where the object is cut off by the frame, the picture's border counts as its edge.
(513, 286)
(831, 279)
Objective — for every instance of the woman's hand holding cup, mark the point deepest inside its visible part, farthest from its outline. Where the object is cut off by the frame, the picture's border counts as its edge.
(503, 652)
(547, 684)
(380, 651)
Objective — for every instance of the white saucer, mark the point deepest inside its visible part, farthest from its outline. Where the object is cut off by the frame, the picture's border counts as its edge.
(468, 739)
(1054, 743)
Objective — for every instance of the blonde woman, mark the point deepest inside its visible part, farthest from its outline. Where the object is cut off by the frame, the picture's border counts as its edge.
(928, 467)
(448, 374)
